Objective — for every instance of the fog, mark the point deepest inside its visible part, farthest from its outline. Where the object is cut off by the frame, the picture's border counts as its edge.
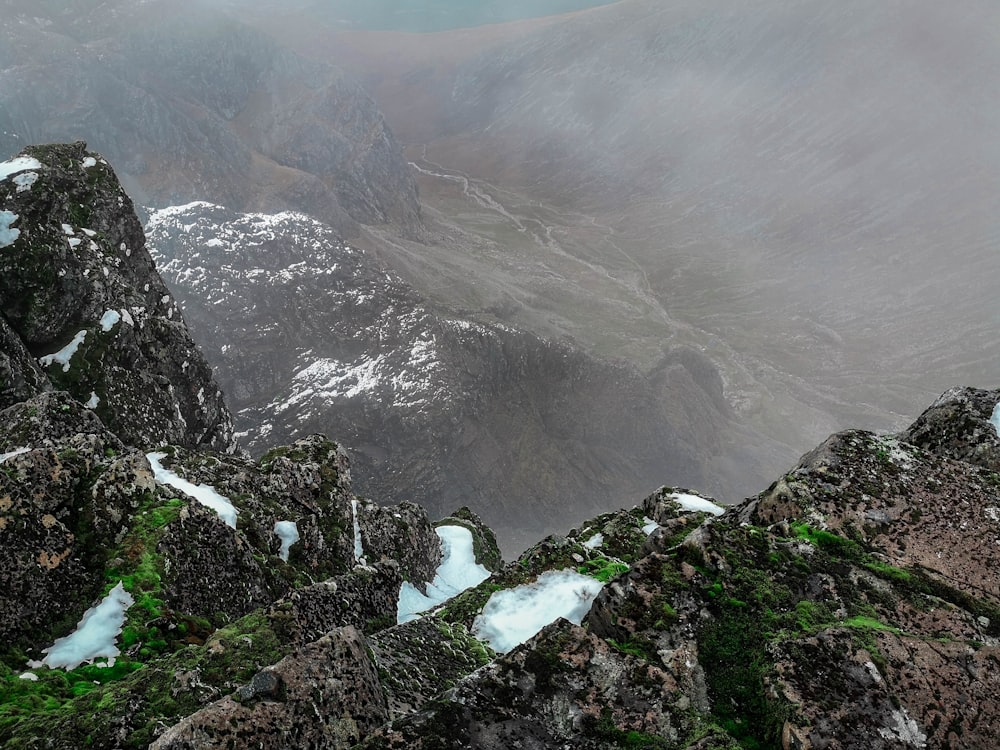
(802, 193)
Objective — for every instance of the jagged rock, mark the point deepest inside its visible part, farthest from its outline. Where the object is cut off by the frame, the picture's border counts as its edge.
(54, 529)
(331, 699)
(423, 658)
(20, 376)
(564, 688)
(364, 598)
(80, 291)
(958, 426)
(402, 533)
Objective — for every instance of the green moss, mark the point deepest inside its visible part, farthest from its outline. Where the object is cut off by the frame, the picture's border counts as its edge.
(602, 568)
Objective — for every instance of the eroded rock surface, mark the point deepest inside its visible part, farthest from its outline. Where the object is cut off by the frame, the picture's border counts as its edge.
(81, 294)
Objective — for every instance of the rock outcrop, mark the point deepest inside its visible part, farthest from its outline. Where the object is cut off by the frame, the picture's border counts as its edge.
(80, 293)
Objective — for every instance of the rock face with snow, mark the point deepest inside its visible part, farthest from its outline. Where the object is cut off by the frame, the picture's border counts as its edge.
(309, 334)
(80, 294)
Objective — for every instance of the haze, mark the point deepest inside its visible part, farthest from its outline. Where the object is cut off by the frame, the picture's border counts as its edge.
(797, 193)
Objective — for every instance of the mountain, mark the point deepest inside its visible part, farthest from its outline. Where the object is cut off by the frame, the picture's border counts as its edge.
(192, 104)
(308, 334)
(787, 184)
(82, 309)
(189, 597)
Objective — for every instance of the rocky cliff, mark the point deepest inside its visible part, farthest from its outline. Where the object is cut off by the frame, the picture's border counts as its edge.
(310, 334)
(83, 310)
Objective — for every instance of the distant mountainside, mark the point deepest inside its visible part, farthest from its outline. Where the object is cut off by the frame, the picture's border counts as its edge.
(191, 104)
(308, 334)
(789, 184)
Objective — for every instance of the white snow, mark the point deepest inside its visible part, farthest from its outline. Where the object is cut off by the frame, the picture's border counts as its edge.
(20, 164)
(15, 452)
(89, 161)
(595, 541)
(649, 525)
(64, 355)
(512, 616)
(25, 180)
(359, 550)
(697, 504)
(110, 319)
(68, 230)
(95, 634)
(457, 572)
(8, 235)
(994, 418)
(93, 401)
(30, 676)
(288, 533)
(204, 494)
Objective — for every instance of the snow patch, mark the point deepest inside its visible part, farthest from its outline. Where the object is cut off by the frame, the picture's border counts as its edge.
(25, 181)
(15, 452)
(595, 541)
(110, 319)
(648, 525)
(359, 550)
(457, 572)
(67, 230)
(64, 355)
(89, 162)
(30, 676)
(697, 504)
(95, 634)
(994, 417)
(20, 164)
(288, 533)
(204, 494)
(93, 401)
(8, 235)
(512, 616)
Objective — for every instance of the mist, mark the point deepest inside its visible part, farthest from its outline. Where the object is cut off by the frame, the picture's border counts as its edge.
(781, 211)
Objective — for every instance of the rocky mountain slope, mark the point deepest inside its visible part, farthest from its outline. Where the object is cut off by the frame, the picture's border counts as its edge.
(189, 598)
(83, 310)
(308, 334)
(192, 104)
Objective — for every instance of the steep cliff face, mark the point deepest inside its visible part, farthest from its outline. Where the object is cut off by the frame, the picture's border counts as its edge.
(84, 310)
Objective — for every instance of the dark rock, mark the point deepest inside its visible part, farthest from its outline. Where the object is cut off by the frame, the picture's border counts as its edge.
(423, 658)
(332, 699)
(958, 426)
(266, 684)
(78, 275)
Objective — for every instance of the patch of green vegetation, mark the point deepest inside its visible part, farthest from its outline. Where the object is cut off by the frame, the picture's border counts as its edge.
(628, 647)
(602, 568)
(604, 729)
(143, 698)
(464, 607)
(833, 544)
